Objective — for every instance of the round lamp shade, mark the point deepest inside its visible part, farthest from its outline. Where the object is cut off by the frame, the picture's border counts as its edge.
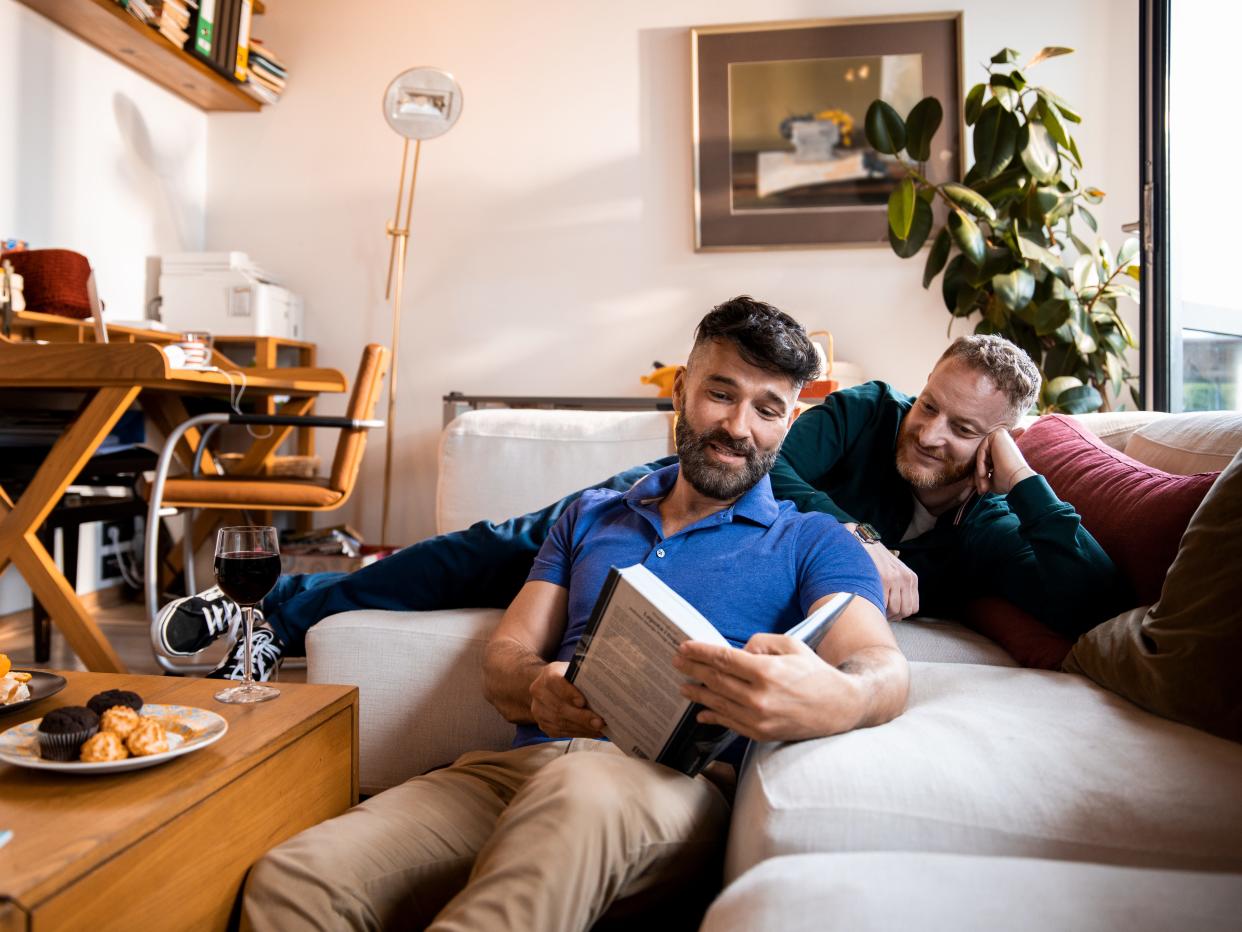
(422, 103)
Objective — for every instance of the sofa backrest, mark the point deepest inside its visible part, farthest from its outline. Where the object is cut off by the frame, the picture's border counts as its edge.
(496, 463)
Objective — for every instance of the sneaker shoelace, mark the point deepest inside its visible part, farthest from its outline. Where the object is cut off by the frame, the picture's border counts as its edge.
(264, 654)
(217, 617)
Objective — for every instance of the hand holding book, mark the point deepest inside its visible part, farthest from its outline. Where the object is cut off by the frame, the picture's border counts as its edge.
(559, 709)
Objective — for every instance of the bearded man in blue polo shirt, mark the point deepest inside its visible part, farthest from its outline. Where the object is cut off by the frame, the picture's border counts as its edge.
(549, 833)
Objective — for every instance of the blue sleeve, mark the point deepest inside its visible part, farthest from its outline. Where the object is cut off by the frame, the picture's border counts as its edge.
(555, 558)
(833, 560)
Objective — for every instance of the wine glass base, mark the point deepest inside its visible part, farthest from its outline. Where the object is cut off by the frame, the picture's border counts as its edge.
(254, 692)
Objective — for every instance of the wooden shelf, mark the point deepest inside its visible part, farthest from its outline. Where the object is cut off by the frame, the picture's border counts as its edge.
(111, 29)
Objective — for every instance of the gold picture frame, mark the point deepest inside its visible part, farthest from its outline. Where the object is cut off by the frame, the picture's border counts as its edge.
(780, 155)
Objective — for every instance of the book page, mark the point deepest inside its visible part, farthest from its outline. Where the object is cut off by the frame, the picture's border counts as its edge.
(627, 675)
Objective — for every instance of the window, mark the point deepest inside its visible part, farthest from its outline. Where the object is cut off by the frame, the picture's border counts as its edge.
(1190, 140)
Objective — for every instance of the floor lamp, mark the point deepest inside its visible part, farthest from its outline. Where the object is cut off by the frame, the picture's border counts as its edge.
(419, 104)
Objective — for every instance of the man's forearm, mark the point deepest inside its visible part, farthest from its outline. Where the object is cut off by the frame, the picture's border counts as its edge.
(880, 677)
(509, 668)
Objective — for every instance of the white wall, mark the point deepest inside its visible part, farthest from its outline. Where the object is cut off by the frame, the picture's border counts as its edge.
(95, 158)
(552, 237)
(552, 232)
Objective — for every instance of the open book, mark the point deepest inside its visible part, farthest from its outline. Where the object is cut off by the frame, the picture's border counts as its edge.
(623, 665)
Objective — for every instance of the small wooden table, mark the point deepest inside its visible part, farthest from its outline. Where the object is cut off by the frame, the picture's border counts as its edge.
(112, 375)
(168, 847)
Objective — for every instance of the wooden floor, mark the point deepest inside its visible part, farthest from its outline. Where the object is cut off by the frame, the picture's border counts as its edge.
(125, 626)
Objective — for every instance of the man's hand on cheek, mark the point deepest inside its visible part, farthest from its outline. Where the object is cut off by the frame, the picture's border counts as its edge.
(999, 464)
(777, 689)
(559, 709)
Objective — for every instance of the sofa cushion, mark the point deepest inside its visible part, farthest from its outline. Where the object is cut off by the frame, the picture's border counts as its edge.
(498, 463)
(940, 641)
(1137, 513)
(1182, 658)
(883, 891)
(1000, 761)
(1188, 443)
(419, 678)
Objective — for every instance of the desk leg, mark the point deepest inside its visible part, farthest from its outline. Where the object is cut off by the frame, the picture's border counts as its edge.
(20, 521)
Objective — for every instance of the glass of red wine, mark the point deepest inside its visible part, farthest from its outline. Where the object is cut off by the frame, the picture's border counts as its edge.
(247, 567)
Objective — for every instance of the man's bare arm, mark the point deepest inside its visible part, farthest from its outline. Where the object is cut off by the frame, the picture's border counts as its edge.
(778, 689)
(518, 679)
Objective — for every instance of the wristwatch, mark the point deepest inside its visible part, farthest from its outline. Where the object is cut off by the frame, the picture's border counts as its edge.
(866, 533)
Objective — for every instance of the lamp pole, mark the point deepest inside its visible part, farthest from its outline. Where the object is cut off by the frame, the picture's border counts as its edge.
(399, 243)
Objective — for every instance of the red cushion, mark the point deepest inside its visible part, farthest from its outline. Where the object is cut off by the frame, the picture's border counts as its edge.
(1135, 512)
(1025, 638)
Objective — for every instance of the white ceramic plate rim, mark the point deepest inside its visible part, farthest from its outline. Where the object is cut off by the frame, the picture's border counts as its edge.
(214, 721)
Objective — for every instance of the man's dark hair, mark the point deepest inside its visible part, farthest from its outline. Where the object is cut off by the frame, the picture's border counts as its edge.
(765, 337)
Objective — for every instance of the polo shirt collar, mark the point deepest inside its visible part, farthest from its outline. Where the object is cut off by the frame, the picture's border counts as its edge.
(757, 505)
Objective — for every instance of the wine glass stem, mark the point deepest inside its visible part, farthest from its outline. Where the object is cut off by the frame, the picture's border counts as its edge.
(248, 613)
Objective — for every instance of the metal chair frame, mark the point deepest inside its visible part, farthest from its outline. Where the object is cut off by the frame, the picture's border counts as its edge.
(211, 423)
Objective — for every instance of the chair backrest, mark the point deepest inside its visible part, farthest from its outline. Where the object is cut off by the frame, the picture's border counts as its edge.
(362, 401)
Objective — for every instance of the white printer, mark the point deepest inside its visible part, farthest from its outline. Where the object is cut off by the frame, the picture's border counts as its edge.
(225, 293)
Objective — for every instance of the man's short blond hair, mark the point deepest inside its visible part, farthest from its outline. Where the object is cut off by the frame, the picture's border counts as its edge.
(1006, 364)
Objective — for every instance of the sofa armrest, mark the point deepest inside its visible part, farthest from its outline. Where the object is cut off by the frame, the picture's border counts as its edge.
(419, 678)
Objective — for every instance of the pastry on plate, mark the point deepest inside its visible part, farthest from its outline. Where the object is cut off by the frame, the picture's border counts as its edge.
(148, 737)
(13, 686)
(104, 746)
(120, 719)
(63, 731)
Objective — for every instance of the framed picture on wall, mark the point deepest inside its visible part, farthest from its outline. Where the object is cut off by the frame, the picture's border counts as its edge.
(780, 157)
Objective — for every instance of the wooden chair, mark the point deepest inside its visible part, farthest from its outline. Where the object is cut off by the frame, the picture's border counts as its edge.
(243, 493)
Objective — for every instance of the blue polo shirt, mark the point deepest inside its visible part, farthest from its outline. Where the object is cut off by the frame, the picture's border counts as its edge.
(755, 566)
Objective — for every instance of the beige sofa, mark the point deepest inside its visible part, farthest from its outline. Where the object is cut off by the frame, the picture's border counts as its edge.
(1002, 798)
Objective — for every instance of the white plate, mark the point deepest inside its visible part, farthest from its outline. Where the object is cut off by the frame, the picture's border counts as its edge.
(189, 729)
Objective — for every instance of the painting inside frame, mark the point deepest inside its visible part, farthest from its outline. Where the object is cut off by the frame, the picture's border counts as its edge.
(781, 157)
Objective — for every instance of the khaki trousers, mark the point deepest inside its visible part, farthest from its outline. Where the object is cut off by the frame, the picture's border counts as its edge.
(541, 838)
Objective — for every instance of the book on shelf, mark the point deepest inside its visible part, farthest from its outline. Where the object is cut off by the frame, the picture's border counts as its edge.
(241, 59)
(204, 28)
(623, 666)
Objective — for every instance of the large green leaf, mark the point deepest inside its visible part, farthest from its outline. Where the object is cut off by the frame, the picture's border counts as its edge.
(1014, 288)
(1055, 386)
(1005, 57)
(884, 127)
(1065, 109)
(901, 207)
(974, 104)
(1039, 154)
(1047, 52)
(1048, 116)
(1080, 399)
(920, 226)
(937, 256)
(954, 280)
(966, 234)
(1032, 250)
(1051, 316)
(1129, 249)
(994, 139)
(969, 199)
(921, 125)
(1004, 91)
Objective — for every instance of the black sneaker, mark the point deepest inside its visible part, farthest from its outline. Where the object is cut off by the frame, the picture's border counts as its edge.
(266, 653)
(187, 625)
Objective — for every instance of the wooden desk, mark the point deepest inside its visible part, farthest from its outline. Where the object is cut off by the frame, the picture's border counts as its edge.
(113, 376)
(168, 847)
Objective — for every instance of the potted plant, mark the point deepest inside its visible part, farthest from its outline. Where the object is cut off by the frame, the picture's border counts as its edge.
(1008, 247)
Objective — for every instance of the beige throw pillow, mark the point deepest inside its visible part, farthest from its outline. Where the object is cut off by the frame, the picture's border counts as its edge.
(1182, 657)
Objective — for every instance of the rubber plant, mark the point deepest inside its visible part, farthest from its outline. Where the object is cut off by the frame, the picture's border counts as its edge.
(1009, 248)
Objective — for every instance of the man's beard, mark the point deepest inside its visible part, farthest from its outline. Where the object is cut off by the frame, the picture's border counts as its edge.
(923, 476)
(717, 480)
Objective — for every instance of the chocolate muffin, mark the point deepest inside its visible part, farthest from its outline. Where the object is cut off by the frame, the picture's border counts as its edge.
(63, 731)
(102, 702)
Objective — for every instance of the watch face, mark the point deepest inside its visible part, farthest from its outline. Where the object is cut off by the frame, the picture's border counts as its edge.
(867, 534)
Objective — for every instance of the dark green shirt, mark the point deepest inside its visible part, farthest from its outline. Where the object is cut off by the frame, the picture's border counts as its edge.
(1028, 547)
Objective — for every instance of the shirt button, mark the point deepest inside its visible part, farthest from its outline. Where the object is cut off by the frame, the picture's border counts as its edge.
(660, 553)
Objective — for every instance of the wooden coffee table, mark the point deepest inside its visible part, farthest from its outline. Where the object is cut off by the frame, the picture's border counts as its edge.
(168, 847)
